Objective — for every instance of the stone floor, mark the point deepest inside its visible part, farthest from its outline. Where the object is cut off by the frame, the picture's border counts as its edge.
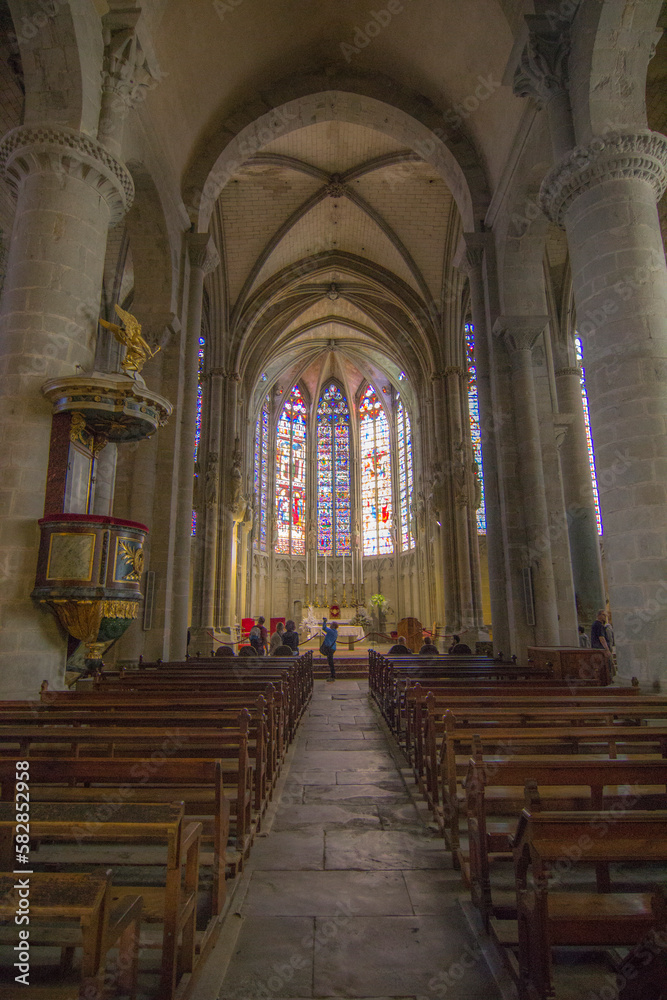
(349, 893)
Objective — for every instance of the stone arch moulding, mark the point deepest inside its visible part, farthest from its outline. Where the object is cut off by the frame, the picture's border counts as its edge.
(612, 42)
(71, 27)
(421, 128)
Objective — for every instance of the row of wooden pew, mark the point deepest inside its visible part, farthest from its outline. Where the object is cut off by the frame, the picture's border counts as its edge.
(534, 783)
(146, 790)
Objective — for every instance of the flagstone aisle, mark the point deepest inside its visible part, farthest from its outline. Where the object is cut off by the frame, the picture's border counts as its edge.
(350, 894)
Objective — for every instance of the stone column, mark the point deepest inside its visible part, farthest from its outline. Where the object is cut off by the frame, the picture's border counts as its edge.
(474, 258)
(246, 555)
(203, 258)
(69, 189)
(604, 195)
(579, 499)
(446, 594)
(460, 497)
(520, 334)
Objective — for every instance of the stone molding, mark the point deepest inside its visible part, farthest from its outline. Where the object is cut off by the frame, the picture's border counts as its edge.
(202, 252)
(572, 370)
(454, 370)
(542, 72)
(638, 155)
(56, 149)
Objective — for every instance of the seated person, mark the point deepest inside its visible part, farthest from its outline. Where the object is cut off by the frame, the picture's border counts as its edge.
(461, 648)
(428, 649)
(247, 651)
(224, 651)
(455, 639)
(282, 651)
(291, 637)
(399, 648)
(276, 638)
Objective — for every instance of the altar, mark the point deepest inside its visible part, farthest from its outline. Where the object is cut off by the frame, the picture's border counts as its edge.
(312, 622)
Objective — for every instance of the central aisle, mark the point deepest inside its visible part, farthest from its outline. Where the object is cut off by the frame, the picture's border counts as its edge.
(350, 893)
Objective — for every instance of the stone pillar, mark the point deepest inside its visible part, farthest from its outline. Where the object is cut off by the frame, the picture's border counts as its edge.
(460, 496)
(203, 258)
(475, 244)
(446, 595)
(69, 190)
(246, 555)
(520, 334)
(604, 195)
(543, 75)
(579, 499)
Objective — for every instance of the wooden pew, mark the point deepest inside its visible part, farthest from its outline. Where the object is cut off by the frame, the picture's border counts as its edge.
(35, 742)
(495, 787)
(103, 924)
(215, 688)
(198, 783)
(173, 904)
(552, 709)
(262, 749)
(543, 843)
(235, 698)
(513, 741)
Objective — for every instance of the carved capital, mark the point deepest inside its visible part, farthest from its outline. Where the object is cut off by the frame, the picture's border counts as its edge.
(543, 70)
(126, 75)
(519, 333)
(57, 149)
(572, 370)
(616, 155)
(203, 252)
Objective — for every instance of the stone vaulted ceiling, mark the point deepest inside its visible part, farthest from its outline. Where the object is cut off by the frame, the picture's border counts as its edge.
(378, 218)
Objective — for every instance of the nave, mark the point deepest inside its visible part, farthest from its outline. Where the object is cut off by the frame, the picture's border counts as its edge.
(349, 891)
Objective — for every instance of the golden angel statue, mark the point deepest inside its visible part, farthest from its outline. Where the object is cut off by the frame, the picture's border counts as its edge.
(138, 351)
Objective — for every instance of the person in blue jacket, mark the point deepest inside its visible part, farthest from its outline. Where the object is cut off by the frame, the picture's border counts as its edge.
(328, 647)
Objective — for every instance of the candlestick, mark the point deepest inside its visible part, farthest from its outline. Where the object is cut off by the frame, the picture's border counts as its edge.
(343, 569)
(316, 570)
(325, 576)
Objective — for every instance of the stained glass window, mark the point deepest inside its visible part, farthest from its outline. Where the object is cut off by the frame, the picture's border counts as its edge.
(291, 476)
(202, 344)
(473, 410)
(262, 472)
(333, 472)
(405, 477)
(376, 504)
(579, 347)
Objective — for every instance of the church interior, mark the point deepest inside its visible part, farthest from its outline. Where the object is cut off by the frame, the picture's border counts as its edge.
(346, 321)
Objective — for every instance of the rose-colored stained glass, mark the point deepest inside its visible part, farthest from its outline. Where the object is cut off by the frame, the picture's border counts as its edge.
(291, 476)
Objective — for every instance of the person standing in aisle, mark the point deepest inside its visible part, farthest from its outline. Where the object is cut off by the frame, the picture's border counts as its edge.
(328, 647)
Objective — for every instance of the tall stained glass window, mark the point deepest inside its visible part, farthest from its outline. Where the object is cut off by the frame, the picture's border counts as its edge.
(262, 472)
(405, 477)
(376, 504)
(579, 347)
(333, 472)
(473, 410)
(202, 344)
(291, 476)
